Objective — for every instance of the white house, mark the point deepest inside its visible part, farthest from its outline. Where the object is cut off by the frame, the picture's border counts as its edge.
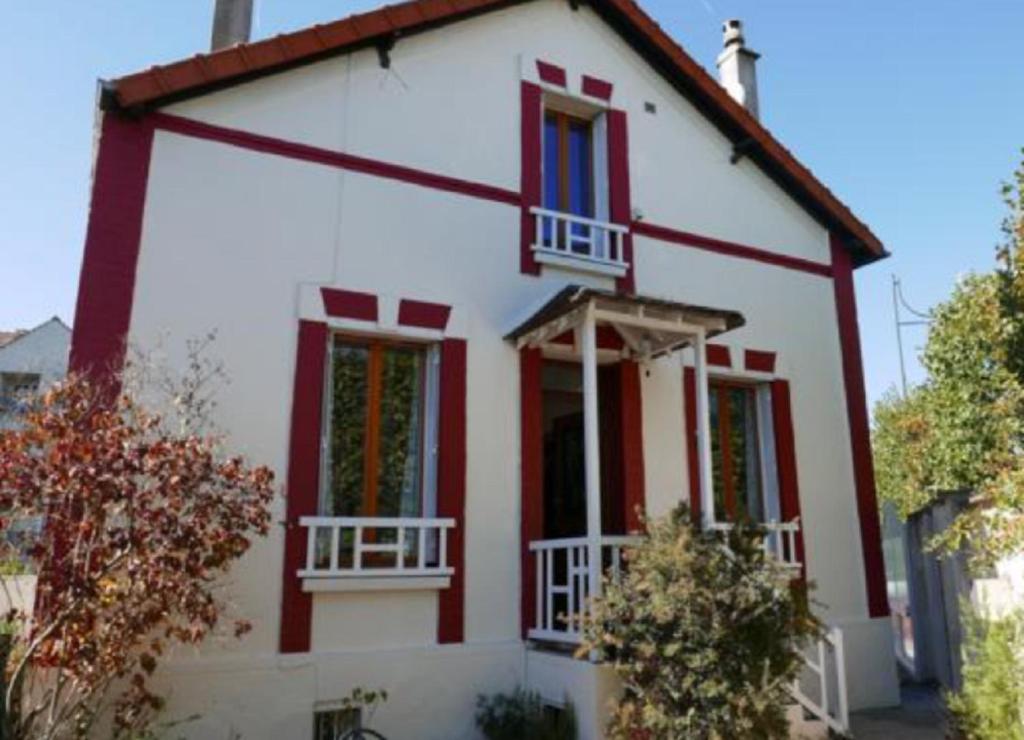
(489, 278)
(31, 360)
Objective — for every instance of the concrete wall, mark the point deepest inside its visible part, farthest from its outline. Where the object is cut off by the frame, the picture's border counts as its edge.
(232, 240)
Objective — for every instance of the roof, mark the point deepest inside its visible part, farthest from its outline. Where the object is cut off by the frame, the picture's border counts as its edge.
(202, 73)
(671, 322)
(9, 337)
(6, 337)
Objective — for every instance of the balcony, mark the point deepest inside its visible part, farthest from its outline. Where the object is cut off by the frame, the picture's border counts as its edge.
(579, 243)
(779, 541)
(376, 554)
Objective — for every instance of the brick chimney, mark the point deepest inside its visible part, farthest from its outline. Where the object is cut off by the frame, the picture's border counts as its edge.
(737, 67)
(232, 23)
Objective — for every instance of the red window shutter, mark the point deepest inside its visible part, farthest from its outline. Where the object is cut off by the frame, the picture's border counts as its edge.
(632, 445)
(303, 483)
(531, 123)
(785, 454)
(620, 208)
(451, 485)
(690, 419)
(531, 429)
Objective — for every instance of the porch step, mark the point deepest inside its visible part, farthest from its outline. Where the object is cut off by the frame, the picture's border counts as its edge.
(802, 728)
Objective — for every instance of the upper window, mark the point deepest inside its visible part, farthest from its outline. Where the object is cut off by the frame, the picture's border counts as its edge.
(381, 430)
(742, 452)
(568, 164)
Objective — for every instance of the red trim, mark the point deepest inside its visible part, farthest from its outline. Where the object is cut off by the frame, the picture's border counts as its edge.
(349, 304)
(785, 459)
(759, 362)
(719, 355)
(552, 74)
(341, 160)
(690, 418)
(531, 460)
(106, 285)
(531, 121)
(451, 486)
(620, 209)
(730, 249)
(860, 434)
(597, 88)
(303, 482)
(424, 315)
(632, 454)
(607, 338)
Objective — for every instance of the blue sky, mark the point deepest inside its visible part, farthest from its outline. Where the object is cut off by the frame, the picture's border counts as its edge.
(911, 111)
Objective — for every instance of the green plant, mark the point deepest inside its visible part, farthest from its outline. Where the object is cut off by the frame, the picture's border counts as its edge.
(704, 637)
(523, 714)
(990, 706)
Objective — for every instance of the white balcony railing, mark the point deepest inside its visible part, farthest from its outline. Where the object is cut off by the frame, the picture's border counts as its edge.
(347, 547)
(779, 541)
(577, 241)
(821, 690)
(563, 583)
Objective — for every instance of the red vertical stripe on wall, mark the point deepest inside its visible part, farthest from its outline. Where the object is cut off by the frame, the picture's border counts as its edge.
(303, 482)
(106, 285)
(632, 445)
(451, 486)
(785, 457)
(531, 123)
(690, 419)
(620, 208)
(531, 460)
(860, 432)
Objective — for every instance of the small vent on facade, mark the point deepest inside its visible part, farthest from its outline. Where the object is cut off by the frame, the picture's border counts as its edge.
(650, 107)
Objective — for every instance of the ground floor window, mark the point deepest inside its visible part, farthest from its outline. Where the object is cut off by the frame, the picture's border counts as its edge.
(336, 723)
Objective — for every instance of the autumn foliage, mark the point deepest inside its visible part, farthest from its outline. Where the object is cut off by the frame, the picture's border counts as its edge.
(141, 521)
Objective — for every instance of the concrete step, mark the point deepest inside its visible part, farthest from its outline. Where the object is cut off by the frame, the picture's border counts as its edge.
(803, 728)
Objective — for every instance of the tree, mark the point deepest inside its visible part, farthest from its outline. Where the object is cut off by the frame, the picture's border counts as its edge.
(963, 427)
(705, 638)
(142, 519)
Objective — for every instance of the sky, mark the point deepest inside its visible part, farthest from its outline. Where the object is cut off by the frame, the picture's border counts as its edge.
(911, 111)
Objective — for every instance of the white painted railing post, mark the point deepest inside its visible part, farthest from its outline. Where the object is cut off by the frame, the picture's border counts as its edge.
(707, 495)
(591, 451)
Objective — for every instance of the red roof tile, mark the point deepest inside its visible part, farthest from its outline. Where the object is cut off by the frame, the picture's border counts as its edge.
(166, 83)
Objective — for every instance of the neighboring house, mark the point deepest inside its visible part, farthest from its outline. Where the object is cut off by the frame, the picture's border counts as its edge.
(490, 278)
(30, 360)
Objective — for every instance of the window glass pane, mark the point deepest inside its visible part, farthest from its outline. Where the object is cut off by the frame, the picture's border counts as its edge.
(401, 437)
(334, 725)
(581, 196)
(717, 461)
(744, 458)
(347, 441)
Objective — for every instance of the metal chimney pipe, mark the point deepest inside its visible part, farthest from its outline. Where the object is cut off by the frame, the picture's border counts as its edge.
(232, 23)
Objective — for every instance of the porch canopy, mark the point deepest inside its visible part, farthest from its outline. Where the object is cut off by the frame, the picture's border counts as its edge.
(649, 328)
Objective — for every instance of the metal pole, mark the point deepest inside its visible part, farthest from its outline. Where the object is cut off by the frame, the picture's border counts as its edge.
(899, 331)
(707, 496)
(591, 451)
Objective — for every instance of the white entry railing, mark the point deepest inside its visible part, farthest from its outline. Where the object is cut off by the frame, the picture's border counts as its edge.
(779, 540)
(345, 547)
(566, 238)
(822, 688)
(563, 583)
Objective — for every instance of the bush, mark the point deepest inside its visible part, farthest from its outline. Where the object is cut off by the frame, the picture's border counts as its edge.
(705, 639)
(524, 715)
(990, 706)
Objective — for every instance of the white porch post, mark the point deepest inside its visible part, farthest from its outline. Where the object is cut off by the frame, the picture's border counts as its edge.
(705, 468)
(591, 450)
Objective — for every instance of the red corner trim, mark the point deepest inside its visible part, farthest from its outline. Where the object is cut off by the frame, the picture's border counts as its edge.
(632, 420)
(719, 355)
(531, 120)
(730, 249)
(303, 482)
(758, 361)
(620, 208)
(860, 434)
(531, 458)
(451, 486)
(348, 304)
(785, 454)
(106, 285)
(690, 418)
(552, 74)
(329, 158)
(597, 88)
(423, 315)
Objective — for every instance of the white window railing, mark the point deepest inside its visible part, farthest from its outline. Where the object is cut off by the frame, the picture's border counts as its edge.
(562, 583)
(577, 241)
(346, 547)
(822, 688)
(779, 541)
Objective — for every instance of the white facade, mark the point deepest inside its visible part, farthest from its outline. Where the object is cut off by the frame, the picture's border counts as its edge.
(241, 241)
